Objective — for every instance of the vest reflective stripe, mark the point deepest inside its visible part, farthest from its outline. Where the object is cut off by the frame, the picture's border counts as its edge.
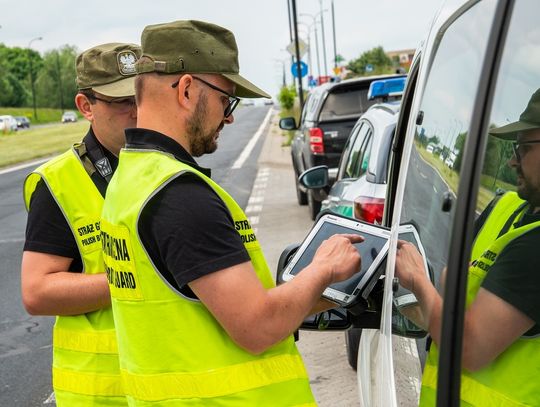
(85, 359)
(85, 341)
(87, 383)
(473, 393)
(215, 383)
(512, 378)
(173, 351)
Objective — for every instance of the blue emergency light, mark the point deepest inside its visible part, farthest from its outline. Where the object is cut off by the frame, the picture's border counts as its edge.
(386, 87)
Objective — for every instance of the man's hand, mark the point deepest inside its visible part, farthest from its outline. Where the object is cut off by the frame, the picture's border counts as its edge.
(409, 266)
(339, 256)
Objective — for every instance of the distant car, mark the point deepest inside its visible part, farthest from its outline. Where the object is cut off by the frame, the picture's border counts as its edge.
(248, 102)
(268, 102)
(430, 148)
(329, 114)
(22, 122)
(8, 123)
(69, 117)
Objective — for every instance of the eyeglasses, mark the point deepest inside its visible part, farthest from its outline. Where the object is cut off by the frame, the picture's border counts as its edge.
(518, 148)
(122, 105)
(232, 101)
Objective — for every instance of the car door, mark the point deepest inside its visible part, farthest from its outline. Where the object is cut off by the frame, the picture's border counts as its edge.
(477, 74)
(443, 107)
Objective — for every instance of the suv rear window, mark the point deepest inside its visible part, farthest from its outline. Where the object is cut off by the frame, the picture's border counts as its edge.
(348, 102)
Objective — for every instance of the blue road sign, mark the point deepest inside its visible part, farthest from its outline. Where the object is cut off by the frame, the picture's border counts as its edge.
(369, 68)
(303, 69)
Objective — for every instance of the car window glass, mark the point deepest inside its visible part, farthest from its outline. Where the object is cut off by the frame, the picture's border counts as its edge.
(362, 162)
(351, 102)
(347, 150)
(310, 108)
(519, 78)
(433, 172)
(447, 106)
(351, 165)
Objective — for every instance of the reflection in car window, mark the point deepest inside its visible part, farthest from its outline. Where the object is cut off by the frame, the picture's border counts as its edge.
(447, 107)
(351, 166)
(519, 78)
(347, 151)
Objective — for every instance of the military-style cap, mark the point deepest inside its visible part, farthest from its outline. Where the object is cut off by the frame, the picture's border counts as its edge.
(108, 69)
(528, 120)
(191, 46)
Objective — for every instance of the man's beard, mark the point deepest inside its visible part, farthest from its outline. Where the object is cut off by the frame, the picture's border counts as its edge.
(526, 191)
(200, 142)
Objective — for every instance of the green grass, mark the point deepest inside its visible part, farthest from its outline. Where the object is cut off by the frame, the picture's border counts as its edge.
(486, 191)
(45, 115)
(34, 143)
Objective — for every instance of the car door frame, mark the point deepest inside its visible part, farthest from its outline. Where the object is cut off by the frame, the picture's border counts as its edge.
(449, 370)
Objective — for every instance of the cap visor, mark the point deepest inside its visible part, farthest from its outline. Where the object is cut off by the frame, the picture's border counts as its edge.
(510, 131)
(118, 89)
(244, 88)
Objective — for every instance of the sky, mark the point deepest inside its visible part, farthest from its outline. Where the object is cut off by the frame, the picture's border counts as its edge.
(260, 27)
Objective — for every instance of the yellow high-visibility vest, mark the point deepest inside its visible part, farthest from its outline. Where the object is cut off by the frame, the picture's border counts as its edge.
(85, 367)
(513, 378)
(172, 350)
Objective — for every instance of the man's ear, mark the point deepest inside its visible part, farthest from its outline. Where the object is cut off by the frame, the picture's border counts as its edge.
(84, 106)
(185, 90)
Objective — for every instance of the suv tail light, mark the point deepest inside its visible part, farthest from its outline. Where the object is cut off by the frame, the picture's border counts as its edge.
(316, 144)
(369, 209)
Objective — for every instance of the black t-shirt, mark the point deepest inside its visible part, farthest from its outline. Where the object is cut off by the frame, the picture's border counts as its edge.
(186, 229)
(47, 230)
(515, 276)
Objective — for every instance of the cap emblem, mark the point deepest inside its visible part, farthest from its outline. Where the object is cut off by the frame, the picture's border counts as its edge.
(126, 62)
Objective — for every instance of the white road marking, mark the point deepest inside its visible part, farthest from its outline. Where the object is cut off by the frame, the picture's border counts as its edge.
(51, 399)
(25, 165)
(249, 146)
(14, 240)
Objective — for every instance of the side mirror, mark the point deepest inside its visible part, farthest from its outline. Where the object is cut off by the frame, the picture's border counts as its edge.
(287, 123)
(314, 178)
(332, 320)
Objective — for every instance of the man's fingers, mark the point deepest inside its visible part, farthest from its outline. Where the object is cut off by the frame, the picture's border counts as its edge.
(353, 238)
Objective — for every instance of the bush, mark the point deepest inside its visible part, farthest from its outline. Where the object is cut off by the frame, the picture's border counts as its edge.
(286, 97)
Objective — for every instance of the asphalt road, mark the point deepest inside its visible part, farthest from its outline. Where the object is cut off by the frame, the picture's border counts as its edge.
(425, 181)
(25, 341)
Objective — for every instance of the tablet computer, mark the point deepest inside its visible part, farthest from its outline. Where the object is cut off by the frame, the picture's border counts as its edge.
(373, 250)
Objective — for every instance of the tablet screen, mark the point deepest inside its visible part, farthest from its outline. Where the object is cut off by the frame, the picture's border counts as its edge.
(369, 249)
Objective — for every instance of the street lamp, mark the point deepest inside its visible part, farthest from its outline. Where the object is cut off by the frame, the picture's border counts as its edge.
(314, 24)
(308, 34)
(323, 41)
(32, 74)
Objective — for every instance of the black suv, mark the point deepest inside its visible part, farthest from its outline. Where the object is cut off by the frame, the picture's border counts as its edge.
(328, 116)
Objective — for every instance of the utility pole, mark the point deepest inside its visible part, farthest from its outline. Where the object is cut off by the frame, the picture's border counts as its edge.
(325, 62)
(334, 34)
(298, 68)
(32, 75)
(290, 28)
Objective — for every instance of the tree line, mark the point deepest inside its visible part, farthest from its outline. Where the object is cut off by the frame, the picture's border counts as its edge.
(53, 74)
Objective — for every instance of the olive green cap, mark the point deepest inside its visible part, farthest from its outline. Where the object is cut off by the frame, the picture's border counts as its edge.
(190, 46)
(108, 69)
(528, 120)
